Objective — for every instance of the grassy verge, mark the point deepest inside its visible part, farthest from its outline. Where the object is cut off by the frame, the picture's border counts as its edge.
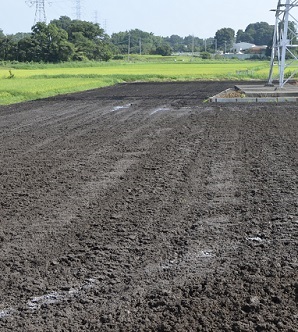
(21, 82)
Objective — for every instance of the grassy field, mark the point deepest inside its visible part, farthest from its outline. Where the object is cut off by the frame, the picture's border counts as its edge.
(21, 82)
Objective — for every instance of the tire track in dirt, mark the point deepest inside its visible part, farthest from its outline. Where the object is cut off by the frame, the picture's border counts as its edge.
(183, 215)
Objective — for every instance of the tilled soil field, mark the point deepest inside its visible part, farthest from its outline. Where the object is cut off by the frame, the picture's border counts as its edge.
(141, 208)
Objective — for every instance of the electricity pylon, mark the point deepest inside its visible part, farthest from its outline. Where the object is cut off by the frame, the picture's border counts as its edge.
(78, 9)
(40, 13)
(283, 49)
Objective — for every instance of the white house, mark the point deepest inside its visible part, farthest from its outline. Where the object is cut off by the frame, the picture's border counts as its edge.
(242, 46)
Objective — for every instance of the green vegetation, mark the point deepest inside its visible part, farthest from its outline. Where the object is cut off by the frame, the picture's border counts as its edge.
(65, 40)
(59, 41)
(259, 33)
(21, 82)
(68, 55)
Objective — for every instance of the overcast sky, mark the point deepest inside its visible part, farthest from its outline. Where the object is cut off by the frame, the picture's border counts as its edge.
(201, 18)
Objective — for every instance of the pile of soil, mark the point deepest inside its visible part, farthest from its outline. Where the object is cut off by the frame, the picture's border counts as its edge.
(231, 93)
(140, 208)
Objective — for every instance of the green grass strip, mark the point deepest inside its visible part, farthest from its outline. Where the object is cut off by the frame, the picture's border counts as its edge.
(22, 82)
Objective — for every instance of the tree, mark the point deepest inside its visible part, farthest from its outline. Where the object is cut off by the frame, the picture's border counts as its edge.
(259, 33)
(193, 43)
(26, 49)
(20, 35)
(84, 47)
(164, 50)
(63, 22)
(242, 36)
(89, 30)
(120, 42)
(104, 52)
(3, 47)
(88, 39)
(176, 42)
(139, 41)
(41, 42)
(51, 43)
(8, 48)
(205, 55)
(225, 38)
(60, 49)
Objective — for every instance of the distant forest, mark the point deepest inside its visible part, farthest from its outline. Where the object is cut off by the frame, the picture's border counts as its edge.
(65, 39)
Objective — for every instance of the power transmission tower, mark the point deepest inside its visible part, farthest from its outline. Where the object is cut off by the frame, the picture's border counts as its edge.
(105, 25)
(283, 38)
(78, 9)
(95, 16)
(40, 13)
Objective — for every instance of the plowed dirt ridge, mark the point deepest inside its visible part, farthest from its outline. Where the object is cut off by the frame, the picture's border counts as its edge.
(140, 208)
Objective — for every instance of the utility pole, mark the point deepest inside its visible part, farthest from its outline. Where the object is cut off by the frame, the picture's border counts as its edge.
(40, 14)
(140, 44)
(128, 47)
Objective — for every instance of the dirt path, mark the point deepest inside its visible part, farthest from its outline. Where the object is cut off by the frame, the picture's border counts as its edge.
(141, 208)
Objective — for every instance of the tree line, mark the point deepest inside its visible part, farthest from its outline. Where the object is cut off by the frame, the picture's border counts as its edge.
(65, 39)
(60, 40)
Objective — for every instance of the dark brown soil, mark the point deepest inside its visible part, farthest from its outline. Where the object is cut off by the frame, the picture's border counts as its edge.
(141, 208)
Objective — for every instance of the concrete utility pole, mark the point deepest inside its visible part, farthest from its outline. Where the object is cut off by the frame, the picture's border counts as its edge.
(282, 47)
(128, 47)
(40, 14)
